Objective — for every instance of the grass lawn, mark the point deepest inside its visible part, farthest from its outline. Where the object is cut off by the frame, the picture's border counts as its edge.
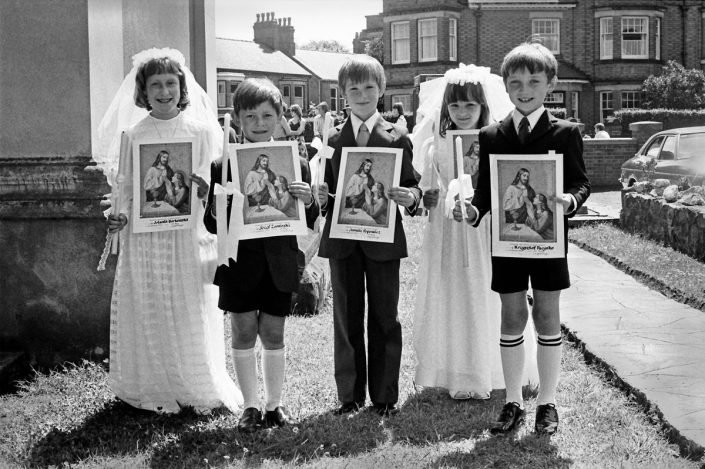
(70, 418)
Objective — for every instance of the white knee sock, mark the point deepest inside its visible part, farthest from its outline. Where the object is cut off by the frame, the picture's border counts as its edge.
(512, 352)
(246, 373)
(548, 358)
(273, 371)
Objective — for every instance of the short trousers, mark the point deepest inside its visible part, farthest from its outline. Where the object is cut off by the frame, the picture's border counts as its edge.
(265, 297)
(511, 275)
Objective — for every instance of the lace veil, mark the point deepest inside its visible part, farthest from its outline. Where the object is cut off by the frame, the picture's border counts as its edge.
(123, 113)
(431, 99)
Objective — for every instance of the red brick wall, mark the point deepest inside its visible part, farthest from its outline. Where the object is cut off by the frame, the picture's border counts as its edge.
(604, 158)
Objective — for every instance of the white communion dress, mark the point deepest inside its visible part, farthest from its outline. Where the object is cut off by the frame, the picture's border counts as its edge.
(457, 316)
(166, 333)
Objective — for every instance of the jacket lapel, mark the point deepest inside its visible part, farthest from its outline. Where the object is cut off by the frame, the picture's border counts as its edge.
(381, 135)
(506, 127)
(544, 125)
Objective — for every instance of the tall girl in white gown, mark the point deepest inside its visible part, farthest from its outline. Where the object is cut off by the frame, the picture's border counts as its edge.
(457, 315)
(166, 333)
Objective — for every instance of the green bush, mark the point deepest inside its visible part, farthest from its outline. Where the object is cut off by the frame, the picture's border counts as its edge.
(671, 118)
(675, 88)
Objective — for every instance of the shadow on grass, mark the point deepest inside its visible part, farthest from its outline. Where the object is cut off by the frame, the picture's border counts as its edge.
(116, 431)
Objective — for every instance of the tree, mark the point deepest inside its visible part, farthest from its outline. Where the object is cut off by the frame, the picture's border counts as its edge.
(675, 88)
(375, 48)
(330, 45)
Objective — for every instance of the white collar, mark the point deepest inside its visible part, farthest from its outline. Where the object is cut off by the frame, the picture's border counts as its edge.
(357, 122)
(533, 118)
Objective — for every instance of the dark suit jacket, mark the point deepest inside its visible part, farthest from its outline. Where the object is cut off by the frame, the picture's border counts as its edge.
(549, 134)
(384, 134)
(279, 252)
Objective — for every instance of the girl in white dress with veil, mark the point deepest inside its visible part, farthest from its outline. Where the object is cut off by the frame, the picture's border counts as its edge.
(457, 316)
(166, 335)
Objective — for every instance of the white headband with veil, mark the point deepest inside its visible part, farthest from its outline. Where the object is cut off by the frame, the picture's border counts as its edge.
(124, 113)
(431, 94)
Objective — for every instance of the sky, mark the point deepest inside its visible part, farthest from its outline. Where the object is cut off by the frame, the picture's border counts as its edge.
(312, 19)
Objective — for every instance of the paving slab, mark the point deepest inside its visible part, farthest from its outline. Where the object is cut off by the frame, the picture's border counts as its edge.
(654, 344)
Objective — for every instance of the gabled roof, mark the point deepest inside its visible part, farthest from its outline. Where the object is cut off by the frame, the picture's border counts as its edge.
(568, 71)
(324, 65)
(235, 54)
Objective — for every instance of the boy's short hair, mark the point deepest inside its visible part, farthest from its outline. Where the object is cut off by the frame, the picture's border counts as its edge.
(156, 67)
(254, 91)
(359, 68)
(599, 126)
(533, 56)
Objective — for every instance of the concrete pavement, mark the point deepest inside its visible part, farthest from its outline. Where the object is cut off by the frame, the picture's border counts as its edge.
(654, 344)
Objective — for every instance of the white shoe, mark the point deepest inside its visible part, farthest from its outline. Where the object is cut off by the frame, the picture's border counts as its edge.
(460, 395)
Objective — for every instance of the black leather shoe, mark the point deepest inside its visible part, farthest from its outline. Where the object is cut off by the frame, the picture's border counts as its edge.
(511, 417)
(250, 420)
(348, 407)
(546, 419)
(279, 417)
(384, 410)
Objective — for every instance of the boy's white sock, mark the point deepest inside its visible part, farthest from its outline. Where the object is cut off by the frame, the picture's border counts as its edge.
(512, 351)
(273, 371)
(548, 358)
(246, 372)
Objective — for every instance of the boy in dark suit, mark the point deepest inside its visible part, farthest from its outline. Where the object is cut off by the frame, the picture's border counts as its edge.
(356, 264)
(257, 288)
(529, 73)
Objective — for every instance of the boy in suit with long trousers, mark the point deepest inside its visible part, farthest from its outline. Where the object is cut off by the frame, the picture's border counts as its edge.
(529, 73)
(355, 264)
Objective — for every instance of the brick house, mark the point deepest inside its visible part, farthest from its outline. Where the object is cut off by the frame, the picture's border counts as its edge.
(605, 49)
(303, 76)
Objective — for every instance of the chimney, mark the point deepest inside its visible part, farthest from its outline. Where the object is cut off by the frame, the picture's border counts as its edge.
(276, 33)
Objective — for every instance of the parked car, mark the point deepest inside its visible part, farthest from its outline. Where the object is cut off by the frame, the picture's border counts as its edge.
(675, 154)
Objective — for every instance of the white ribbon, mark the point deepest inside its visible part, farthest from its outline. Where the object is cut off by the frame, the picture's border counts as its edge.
(228, 235)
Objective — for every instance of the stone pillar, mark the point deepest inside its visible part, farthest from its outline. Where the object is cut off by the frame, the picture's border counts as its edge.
(62, 64)
(641, 131)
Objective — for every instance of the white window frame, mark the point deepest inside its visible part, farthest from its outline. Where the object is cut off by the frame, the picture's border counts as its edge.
(428, 40)
(549, 30)
(333, 98)
(555, 99)
(606, 38)
(635, 25)
(606, 103)
(452, 39)
(221, 93)
(400, 42)
(657, 37)
(632, 97)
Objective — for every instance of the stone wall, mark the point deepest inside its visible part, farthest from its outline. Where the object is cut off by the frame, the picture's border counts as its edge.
(676, 225)
(604, 158)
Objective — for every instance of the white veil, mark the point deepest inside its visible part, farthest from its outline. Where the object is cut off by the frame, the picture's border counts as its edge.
(431, 99)
(123, 113)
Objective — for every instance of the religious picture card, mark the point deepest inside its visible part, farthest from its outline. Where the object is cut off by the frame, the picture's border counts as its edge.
(263, 172)
(363, 210)
(466, 157)
(163, 198)
(527, 221)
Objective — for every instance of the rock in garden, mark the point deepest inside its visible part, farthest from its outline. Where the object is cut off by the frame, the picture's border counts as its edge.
(692, 199)
(642, 187)
(659, 185)
(670, 194)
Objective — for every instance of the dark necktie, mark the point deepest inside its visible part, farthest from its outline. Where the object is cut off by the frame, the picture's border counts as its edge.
(524, 130)
(363, 136)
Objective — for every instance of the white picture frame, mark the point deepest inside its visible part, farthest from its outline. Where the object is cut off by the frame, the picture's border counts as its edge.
(268, 210)
(521, 230)
(363, 210)
(163, 198)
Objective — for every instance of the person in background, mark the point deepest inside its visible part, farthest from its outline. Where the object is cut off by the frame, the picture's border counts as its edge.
(319, 120)
(398, 113)
(600, 131)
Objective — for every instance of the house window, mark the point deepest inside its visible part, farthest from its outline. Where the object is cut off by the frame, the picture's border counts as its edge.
(606, 41)
(428, 44)
(555, 99)
(404, 99)
(286, 91)
(635, 37)
(221, 93)
(452, 39)
(631, 99)
(657, 33)
(233, 87)
(549, 30)
(606, 106)
(298, 91)
(575, 102)
(333, 99)
(400, 42)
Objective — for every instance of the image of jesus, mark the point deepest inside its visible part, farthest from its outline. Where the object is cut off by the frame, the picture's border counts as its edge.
(258, 182)
(355, 188)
